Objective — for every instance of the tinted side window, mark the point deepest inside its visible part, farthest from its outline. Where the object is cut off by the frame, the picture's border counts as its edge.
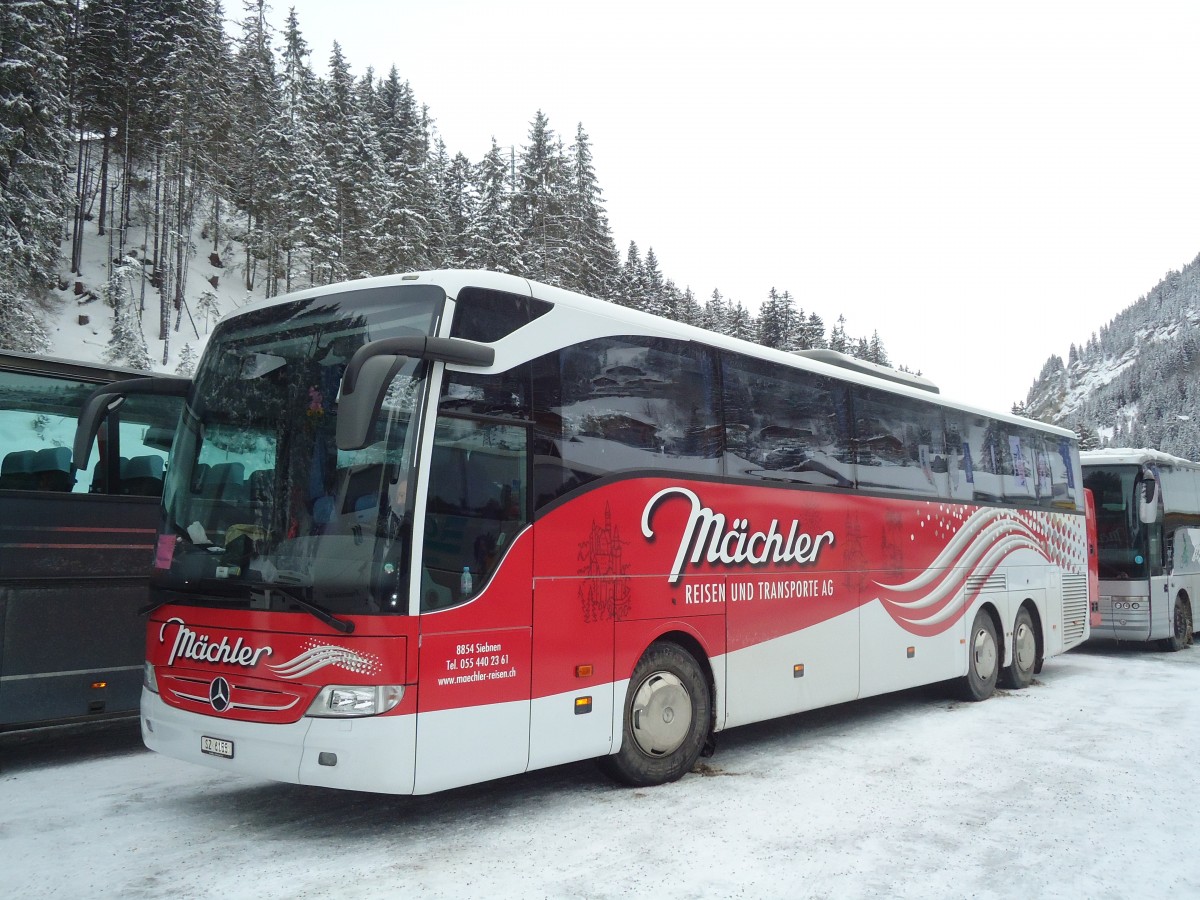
(1021, 448)
(901, 444)
(37, 428)
(484, 315)
(146, 429)
(983, 457)
(503, 395)
(1062, 459)
(959, 471)
(623, 404)
(784, 424)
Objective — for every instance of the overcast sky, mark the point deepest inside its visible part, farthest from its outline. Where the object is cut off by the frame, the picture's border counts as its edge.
(984, 183)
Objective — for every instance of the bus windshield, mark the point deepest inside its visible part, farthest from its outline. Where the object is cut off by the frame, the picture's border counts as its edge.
(1120, 532)
(262, 510)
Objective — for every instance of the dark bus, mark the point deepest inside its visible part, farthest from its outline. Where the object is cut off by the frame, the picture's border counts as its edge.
(76, 546)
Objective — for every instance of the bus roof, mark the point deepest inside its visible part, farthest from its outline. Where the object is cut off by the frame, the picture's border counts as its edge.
(452, 280)
(1133, 456)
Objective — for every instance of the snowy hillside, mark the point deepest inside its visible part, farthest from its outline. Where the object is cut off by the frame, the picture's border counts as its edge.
(80, 323)
(1134, 383)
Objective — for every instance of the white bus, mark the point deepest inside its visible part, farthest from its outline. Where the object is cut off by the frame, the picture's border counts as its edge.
(1148, 526)
(426, 530)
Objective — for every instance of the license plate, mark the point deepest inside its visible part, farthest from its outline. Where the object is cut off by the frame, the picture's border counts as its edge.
(216, 747)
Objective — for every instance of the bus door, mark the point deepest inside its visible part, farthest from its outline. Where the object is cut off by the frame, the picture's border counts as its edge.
(476, 605)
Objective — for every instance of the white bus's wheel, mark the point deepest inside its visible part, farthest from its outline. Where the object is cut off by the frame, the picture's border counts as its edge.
(668, 711)
(1181, 624)
(1024, 652)
(983, 659)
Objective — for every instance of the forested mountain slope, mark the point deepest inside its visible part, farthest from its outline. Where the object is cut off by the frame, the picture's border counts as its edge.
(157, 170)
(1135, 382)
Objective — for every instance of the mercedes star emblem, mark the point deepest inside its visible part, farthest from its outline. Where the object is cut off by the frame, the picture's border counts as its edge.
(218, 694)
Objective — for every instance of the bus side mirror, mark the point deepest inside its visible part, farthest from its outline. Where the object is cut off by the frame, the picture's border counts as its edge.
(356, 408)
(373, 366)
(108, 397)
(1148, 501)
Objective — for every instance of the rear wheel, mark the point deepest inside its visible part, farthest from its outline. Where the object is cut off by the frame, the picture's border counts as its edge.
(1181, 626)
(1019, 673)
(668, 711)
(983, 659)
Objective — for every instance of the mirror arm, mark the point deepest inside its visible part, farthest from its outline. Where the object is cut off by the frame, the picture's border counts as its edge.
(450, 350)
(108, 397)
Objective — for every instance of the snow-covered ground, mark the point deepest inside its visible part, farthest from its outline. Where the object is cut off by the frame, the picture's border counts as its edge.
(1081, 786)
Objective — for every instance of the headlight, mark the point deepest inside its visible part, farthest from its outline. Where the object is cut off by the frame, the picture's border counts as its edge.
(339, 700)
(149, 680)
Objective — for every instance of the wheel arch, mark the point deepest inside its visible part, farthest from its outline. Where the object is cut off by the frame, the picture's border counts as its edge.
(692, 645)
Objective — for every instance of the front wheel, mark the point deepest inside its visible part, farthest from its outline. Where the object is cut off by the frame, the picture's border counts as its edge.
(668, 714)
(983, 657)
(1181, 625)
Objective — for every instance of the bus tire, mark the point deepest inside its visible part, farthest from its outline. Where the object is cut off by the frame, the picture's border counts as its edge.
(667, 719)
(1019, 673)
(983, 659)
(1181, 626)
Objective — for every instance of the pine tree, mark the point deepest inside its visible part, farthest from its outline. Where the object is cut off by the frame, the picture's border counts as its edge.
(305, 200)
(742, 324)
(439, 249)
(688, 309)
(837, 338)
(187, 361)
(777, 321)
(1088, 439)
(540, 204)
(254, 176)
(814, 332)
(716, 313)
(353, 157)
(632, 289)
(127, 343)
(404, 209)
(34, 142)
(591, 264)
(654, 299)
(875, 351)
(493, 241)
(458, 193)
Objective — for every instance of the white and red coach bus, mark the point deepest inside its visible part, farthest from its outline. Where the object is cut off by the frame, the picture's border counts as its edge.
(1148, 524)
(426, 530)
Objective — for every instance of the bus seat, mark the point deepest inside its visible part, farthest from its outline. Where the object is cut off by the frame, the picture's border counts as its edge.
(225, 481)
(366, 508)
(364, 491)
(142, 476)
(16, 471)
(52, 469)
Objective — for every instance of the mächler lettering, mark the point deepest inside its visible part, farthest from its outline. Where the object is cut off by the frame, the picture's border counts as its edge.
(707, 538)
(199, 647)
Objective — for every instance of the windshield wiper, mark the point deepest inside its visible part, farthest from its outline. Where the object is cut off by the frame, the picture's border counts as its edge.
(308, 606)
